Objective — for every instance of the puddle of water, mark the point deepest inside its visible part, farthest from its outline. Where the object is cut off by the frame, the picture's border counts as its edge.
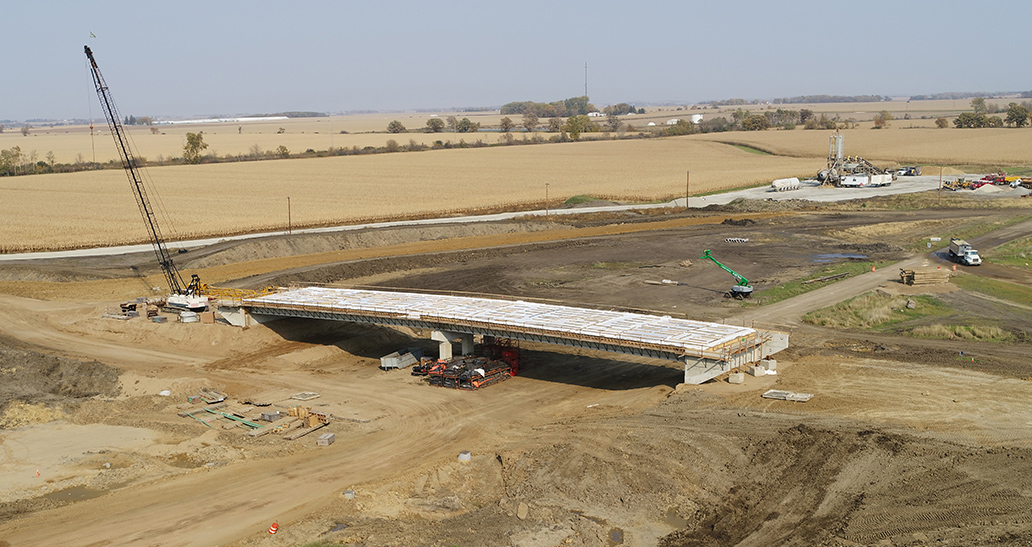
(616, 535)
(675, 520)
(75, 493)
(337, 527)
(828, 257)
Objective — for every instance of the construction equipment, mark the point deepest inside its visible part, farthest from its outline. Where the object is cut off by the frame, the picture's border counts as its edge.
(195, 295)
(840, 167)
(739, 291)
(468, 373)
(962, 252)
(909, 171)
(182, 295)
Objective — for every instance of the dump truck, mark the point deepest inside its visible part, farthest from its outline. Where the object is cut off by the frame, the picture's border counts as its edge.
(962, 252)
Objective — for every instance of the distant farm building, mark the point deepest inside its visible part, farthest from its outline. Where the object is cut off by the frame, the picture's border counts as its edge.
(696, 118)
(673, 121)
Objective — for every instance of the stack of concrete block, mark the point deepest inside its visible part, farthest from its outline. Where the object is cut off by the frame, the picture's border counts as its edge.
(326, 439)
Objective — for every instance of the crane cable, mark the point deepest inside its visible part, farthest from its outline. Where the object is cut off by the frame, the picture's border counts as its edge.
(149, 182)
(89, 102)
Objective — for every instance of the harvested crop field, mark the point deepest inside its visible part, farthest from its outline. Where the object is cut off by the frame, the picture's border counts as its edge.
(96, 208)
(1000, 147)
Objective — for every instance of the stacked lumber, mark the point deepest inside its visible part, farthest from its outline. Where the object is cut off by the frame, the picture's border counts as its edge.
(924, 276)
(308, 417)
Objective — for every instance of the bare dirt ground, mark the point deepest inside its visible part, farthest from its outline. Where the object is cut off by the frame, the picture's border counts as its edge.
(904, 443)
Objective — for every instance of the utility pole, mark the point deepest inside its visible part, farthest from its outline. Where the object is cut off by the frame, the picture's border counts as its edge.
(939, 201)
(687, 192)
(289, 229)
(546, 200)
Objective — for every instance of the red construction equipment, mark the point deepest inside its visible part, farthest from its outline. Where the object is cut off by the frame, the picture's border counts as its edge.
(500, 361)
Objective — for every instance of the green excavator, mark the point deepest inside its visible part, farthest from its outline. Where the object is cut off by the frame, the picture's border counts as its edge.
(742, 289)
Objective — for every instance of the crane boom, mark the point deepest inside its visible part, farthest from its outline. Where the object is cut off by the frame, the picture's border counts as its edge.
(172, 276)
(742, 281)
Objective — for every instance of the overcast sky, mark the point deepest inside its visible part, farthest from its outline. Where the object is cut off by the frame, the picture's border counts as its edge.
(187, 58)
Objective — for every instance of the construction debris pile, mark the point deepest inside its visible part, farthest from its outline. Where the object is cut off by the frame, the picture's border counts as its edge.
(924, 276)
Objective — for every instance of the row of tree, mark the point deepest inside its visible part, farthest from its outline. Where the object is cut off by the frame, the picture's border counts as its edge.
(573, 106)
(806, 99)
(437, 125)
(15, 162)
(1017, 115)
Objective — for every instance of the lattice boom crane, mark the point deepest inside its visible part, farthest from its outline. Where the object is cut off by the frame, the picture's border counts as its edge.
(182, 295)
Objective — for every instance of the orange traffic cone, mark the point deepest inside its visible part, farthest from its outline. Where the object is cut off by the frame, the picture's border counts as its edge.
(274, 528)
(37, 472)
(872, 268)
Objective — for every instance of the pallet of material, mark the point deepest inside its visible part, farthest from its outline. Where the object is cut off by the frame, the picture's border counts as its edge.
(302, 432)
(787, 395)
(189, 413)
(282, 428)
(924, 276)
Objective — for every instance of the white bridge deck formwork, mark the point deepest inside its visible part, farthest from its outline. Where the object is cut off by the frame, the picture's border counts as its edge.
(706, 349)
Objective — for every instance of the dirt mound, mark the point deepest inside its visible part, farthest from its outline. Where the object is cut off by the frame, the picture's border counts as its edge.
(18, 414)
(741, 222)
(35, 379)
(814, 486)
(300, 244)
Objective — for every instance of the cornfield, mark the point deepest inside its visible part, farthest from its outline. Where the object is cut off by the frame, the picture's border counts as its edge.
(95, 208)
(1003, 147)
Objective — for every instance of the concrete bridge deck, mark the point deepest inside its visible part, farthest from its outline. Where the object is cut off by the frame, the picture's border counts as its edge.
(707, 349)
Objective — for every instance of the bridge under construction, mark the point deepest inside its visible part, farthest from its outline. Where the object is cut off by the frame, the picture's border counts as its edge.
(706, 349)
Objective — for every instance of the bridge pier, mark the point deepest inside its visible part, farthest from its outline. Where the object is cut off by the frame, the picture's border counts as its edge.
(699, 369)
(447, 337)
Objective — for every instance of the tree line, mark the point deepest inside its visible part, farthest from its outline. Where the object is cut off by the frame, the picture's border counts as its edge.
(574, 106)
(1017, 115)
(806, 99)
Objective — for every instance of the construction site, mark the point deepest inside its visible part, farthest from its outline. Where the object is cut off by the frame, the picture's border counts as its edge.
(762, 371)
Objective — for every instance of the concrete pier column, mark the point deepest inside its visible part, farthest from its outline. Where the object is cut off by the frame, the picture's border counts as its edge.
(446, 338)
(698, 369)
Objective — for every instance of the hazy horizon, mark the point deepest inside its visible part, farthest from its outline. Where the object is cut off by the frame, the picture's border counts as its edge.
(237, 58)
